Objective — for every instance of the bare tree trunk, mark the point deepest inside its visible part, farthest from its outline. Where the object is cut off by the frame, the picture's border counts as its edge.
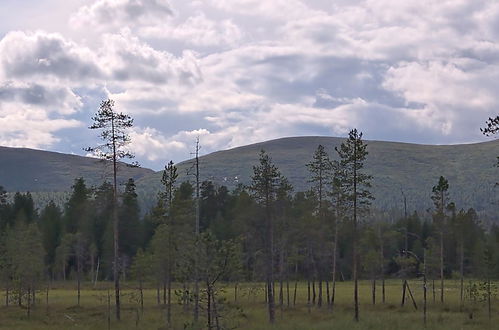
(374, 291)
(158, 299)
(7, 295)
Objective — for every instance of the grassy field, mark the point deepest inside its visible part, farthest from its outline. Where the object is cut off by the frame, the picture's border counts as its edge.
(62, 312)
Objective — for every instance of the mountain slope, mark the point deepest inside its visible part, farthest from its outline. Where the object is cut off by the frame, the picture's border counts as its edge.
(24, 169)
(394, 166)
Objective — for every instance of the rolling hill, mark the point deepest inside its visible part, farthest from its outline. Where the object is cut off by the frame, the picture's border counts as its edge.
(32, 170)
(414, 168)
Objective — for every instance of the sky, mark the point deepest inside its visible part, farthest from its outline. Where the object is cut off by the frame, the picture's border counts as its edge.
(235, 72)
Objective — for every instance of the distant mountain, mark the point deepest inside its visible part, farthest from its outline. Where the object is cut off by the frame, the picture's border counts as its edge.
(413, 168)
(31, 170)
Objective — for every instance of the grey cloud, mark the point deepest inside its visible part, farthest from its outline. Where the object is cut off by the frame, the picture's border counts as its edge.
(25, 55)
(53, 99)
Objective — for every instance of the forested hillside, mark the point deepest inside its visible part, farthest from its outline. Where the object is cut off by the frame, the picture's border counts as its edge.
(412, 168)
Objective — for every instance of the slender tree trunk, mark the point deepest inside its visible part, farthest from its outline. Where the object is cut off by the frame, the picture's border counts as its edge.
(424, 286)
(116, 261)
(235, 292)
(309, 301)
(164, 292)
(270, 262)
(335, 253)
(442, 267)
(354, 240)
(374, 291)
(319, 300)
(215, 312)
(78, 272)
(433, 288)
(382, 266)
(7, 295)
(47, 298)
(169, 305)
(328, 293)
(461, 270)
(29, 302)
(404, 285)
(97, 271)
(208, 307)
(158, 299)
(92, 265)
(294, 294)
(287, 290)
(489, 305)
(196, 275)
(141, 289)
(314, 293)
(108, 310)
(281, 276)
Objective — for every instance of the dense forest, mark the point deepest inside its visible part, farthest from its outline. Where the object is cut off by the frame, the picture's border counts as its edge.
(261, 232)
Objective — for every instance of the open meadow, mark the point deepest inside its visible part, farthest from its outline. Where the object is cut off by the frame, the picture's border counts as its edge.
(63, 312)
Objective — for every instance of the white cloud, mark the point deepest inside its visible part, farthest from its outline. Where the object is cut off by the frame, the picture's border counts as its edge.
(119, 13)
(30, 126)
(197, 30)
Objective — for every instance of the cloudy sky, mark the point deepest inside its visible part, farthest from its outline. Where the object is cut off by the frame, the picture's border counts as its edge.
(234, 72)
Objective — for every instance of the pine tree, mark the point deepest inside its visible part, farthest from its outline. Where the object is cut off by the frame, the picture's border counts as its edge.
(355, 184)
(440, 198)
(265, 184)
(114, 128)
(169, 180)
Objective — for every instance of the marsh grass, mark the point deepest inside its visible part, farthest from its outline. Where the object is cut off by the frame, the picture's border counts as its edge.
(63, 313)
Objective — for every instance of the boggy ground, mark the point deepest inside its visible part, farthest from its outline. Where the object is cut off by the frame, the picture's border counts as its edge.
(62, 312)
